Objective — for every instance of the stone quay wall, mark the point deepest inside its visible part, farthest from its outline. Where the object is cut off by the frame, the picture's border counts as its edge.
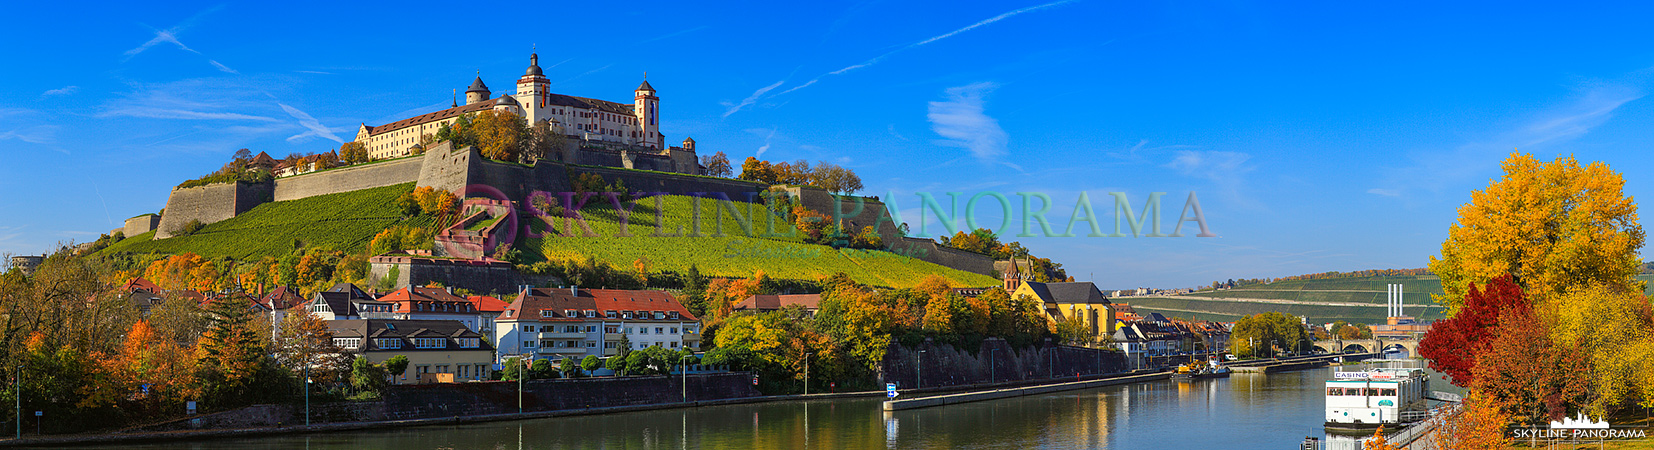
(995, 361)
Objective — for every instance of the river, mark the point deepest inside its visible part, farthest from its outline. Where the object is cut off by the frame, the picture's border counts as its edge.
(1242, 412)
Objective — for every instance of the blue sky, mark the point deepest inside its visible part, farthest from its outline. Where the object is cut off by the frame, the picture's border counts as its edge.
(1318, 137)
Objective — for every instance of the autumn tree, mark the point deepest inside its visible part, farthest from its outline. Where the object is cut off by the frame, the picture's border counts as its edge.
(1475, 424)
(1547, 225)
(834, 179)
(717, 165)
(754, 169)
(1532, 379)
(1453, 344)
(1263, 334)
(540, 141)
(234, 365)
(499, 135)
(353, 153)
(304, 340)
(1613, 330)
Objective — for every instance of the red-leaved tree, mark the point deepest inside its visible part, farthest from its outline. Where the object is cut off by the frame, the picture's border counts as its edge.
(1452, 345)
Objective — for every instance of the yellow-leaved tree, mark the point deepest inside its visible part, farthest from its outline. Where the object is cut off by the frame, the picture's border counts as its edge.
(498, 134)
(1550, 225)
(1614, 329)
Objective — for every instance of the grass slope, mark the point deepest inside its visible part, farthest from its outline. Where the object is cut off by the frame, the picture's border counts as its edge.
(1229, 305)
(344, 221)
(776, 248)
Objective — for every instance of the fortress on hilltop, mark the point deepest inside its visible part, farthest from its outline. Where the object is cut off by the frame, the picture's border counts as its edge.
(598, 132)
(616, 141)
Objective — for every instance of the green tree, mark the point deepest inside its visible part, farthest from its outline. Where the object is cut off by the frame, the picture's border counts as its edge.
(366, 377)
(1262, 335)
(616, 363)
(570, 368)
(353, 153)
(396, 366)
(235, 365)
(591, 363)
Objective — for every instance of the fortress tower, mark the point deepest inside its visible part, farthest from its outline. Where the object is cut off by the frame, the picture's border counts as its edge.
(477, 93)
(647, 107)
(534, 91)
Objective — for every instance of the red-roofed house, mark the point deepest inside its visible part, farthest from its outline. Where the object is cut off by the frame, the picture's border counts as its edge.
(488, 308)
(573, 323)
(765, 303)
(433, 303)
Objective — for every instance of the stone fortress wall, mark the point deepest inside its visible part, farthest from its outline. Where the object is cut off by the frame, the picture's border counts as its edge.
(446, 168)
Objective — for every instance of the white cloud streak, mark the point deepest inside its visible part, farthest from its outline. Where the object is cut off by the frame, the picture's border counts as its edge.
(877, 59)
(39, 134)
(310, 123)
(962, 121)
(751, 99)
(66, 90)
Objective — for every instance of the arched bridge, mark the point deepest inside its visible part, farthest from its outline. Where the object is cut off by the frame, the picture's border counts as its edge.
(1408, 347)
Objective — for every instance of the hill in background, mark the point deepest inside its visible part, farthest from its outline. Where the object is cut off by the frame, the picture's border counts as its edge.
(1355, 299)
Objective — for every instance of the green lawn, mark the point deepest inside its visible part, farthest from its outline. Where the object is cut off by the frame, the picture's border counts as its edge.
(344, 221)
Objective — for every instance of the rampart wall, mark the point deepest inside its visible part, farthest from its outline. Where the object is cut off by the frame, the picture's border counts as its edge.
(210, 204)
(346, 179)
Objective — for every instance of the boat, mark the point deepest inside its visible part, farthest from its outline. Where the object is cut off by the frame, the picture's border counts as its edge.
(1359, 402)
(1193, 371)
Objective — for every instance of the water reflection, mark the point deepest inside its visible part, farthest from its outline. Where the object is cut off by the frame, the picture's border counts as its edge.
(1243, 411)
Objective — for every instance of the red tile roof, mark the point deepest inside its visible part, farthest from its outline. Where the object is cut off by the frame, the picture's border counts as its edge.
(432, 117)
(140, 284)
(775, 302)
(434, 299)
(557, 302)
(488, 304)
(281, 298)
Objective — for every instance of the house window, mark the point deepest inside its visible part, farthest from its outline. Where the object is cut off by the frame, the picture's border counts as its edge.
(469, 342)
(550, 344)
(642, 330)
(659, 330)
(674, 345)
(387, 343)
(610, 314)
(347, 342)
(674, 330)
(591, 328)
(571, 329)
(591, 344)
(528, 344)
(430, 343)
(528, 328)
(611, 329)
(625, 314)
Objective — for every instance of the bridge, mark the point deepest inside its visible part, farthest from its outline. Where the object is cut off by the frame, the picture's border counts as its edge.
(1407, 347)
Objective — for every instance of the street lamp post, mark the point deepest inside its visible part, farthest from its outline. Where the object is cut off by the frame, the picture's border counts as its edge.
(18, 392)
(991, 375)
(918, 370)
(307, 392)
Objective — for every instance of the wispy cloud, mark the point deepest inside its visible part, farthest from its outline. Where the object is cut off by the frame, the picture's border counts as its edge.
(766, 146)
(589, 72)
(1438, 169)
(673, 34)
(1217, 166)
(1139, 153)
(751, 99)
(317, 72)
(162, 113)
(921, 43)
(66, 90)
(962, 121)
(897, 135)
(309, 123)
(39, 134)
(223, 68)
(170, 36)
